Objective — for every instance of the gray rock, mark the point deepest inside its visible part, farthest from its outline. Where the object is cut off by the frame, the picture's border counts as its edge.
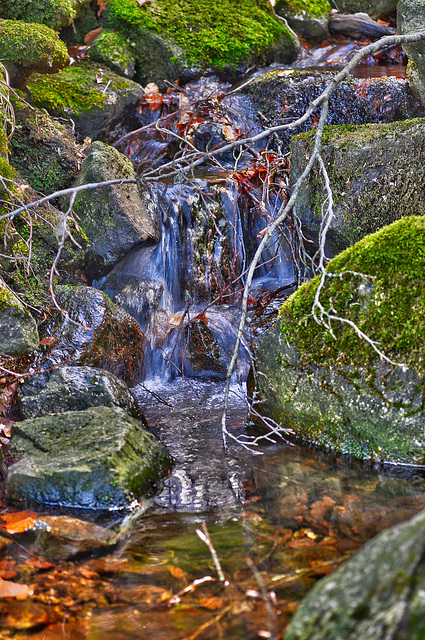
(285, 95)
(97, 459)
(75, 389)
(18, 329)
(93, 331)
(375, 8)
(377, 594)
(377, 173)
(116, 52)
(116, 219)
(332, 390)
(410, 19)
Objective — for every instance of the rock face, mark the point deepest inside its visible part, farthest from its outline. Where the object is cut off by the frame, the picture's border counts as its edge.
(335, 391)
(376, 173)
(285, 94)
(91, 94)
(98, 459)
(75, 389)
(115, 218)
(411, 18)
(376, 594)
(97, 333)
(18, 329)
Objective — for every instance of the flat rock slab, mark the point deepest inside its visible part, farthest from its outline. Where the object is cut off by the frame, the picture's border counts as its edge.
(98, 459)
(377, 594)
(75, 389)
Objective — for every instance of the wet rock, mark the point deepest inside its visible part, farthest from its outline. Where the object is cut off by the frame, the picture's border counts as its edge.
(63, 537)
(92, 95)
(376, 594)
(358, 26)
(93, 331)
(333, 390)
(410, 19)
(308, 19)
(18, 329)
(377, 176)
(116, 218)
(375, 8)
(75, 389)
(97, 459)
(283, 96)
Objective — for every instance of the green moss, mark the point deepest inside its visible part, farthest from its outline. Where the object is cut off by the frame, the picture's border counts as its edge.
(71, 91)
(211, 32)
(115, 51)
(309, 8)
(32, 44)
(53, 13)
(391, 310)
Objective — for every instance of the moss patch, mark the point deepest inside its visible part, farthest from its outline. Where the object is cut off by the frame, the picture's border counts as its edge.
(53, 13)
(32, 44)
(213, 33)
(115, 51)
(391, 311)
(309, 8)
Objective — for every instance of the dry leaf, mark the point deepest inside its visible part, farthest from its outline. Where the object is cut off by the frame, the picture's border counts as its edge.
(47, 341)
(91, 35)
(19, 521)
(212, 603)
(14, 590)
(99, 77)
(229, 133)
(185, 110)
(176, 572)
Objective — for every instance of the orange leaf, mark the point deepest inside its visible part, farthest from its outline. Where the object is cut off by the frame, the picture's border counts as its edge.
(91, 35)
(14, 590)
(19, 521)
(48, 340)
(211, 603)
(176, 572)
(202, 317)
(229, 133)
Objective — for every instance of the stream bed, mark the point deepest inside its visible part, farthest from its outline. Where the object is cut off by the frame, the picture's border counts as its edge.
(277, 523)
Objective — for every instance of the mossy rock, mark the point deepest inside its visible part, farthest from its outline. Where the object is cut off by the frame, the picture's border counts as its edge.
(99, 459)
(376, 594)
(308, 18)
(93, 331)
(27, 47)
(75, 389)
(91, 94)
(174, 37)
(376, 173)
(18, 329)
(331, 388)
(287, 93)
(53, 13)
(117, 218)
(410, 19)
(375, 8)
(116, 52)
(43, 150)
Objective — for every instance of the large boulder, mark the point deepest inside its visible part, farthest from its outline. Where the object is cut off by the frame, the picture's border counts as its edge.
(18, 329)
(410, 19)
(93, 331)
(377, 175)
(75, 389)
(91, 94)
(116, 219)
(377, 594)
(283, 96)
(309, 19)
(330, 387)
(53, 13)
(181, 40)
(97, 459)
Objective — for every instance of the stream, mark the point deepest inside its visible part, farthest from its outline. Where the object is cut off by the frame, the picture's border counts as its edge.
(270, 525)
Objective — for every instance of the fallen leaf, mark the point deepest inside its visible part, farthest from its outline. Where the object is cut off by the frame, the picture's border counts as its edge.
(99, 77)
(19, 521)
(78, 51)
(185, 110)
(212, 603)
(14, 590)
(91, 35)
(176, 572)
(229, 133)
(48, 340)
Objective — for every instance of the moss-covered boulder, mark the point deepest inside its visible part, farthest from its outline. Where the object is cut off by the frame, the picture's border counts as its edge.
(377, 176)
(112, 49)
(308, 18)
(43, 150)
(53, 13)
(93, 331)
(91, 94)
(376, 594)
(331, 388)
(18, 329)
(97, 459)
(180, 39)
(27, 48)
(75, 389)
(286, 94)
(116, 218)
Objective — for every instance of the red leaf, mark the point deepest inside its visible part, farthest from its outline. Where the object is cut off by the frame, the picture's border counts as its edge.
(19, 521)
(14, 590)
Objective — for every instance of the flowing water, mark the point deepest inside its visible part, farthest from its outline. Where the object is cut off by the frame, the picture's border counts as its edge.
(270, 525)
